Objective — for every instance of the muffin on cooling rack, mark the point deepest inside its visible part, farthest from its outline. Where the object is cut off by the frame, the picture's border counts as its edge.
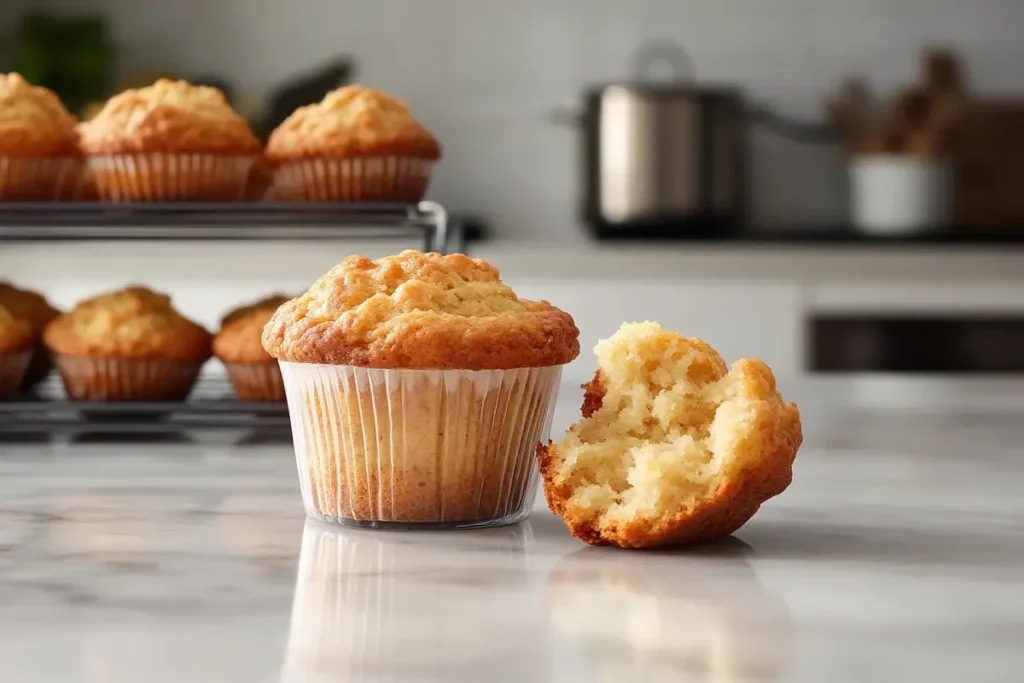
(169, 141)
(253, 372)
(16, 341)
(418, 387)
(36, 310)
(357, 145)
(127, 345)
(674, 447)
(38, 142)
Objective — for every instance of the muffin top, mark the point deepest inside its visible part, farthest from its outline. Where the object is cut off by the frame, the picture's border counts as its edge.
(29, 306)
(168, 116)
(134, 322)
(15, 332)
(418, 310)
(239, 339)
(33, 122)
(352, 122)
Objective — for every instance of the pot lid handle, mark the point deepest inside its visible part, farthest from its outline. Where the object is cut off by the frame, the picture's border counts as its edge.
(668, 51)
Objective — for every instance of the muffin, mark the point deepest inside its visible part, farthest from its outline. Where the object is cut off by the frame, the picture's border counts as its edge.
(128, 345)
(357, 145)
(253, 372)
(418, 387)
(169, 141)
(38, 142)
(674, 447)
(37, 311)
(15, 351)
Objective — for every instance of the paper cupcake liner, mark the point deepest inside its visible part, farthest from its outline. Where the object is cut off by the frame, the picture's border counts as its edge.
(369, 179)
(43, 179)
(161, 177)
(358, 614)
(449, 448)
(13, 367)
(256, 381)
(39, 368)
(127, 379)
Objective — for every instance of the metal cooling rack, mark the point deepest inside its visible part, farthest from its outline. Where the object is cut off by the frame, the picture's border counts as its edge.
(64, 221)
(212, 405)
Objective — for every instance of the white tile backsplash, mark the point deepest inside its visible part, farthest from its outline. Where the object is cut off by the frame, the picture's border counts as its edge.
(485, 73)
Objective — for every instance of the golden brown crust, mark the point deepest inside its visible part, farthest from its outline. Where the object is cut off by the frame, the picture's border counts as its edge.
(240, 336)
(775, 433)
(28, 305)
(33, 122)
(15, 332)
(352, 122)
(417, 310)
(168, 116)
(134, 322)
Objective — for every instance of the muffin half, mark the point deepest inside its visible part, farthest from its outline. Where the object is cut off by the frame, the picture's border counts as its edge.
(674, 447)
(38, 142)
(357, 145)
(33, 308)
(15, 351)
(254, 373)
(418, 387)
(169, 141)
(128, 345)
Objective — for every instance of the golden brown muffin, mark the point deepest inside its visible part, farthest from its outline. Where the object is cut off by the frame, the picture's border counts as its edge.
(169, 141)
(38, 141)
(418, 387)
(16, 341)
(358, 144)
(254, 373)
(674, 447)
(417, 310)
(128, 344)
(37, 311)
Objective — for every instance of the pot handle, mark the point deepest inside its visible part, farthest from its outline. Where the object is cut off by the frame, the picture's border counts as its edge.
(668, 51)
(799, 131)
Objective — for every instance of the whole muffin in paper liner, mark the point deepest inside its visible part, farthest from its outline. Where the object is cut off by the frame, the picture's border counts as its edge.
(418, 387)
(357, 145)
(125, 345)
(16, 341)
(38, 142)
(254, 373)
(169, 141)
(38, 312)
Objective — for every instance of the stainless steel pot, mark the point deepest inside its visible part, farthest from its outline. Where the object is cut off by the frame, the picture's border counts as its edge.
(667, 156)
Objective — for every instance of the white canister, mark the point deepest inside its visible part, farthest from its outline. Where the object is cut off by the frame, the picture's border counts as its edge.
(894, 195)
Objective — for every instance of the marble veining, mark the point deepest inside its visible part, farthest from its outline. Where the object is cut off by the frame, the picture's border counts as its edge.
(193, 562)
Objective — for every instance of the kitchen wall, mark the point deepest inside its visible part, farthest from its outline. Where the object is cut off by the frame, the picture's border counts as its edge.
(486, 74)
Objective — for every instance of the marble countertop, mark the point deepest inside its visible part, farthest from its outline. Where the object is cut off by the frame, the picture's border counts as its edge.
(897, 555)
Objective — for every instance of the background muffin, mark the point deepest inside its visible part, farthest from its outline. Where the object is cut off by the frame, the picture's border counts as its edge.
(254, 373)
(15, 350)
(127, 345)
(38, 142)
(33, 308)
(358, 144)
(418, 387)
(169, 141)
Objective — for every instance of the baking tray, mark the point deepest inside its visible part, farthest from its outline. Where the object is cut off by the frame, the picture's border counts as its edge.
(211, 405)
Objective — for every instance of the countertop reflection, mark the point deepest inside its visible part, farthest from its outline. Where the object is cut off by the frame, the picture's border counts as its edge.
(192, 562)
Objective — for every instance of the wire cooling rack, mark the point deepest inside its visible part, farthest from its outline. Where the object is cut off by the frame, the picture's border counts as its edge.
(212, 405)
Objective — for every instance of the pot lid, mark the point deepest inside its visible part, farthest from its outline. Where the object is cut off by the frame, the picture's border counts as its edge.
(681, 80)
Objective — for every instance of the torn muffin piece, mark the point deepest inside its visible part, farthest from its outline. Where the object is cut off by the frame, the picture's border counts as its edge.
(674, 447)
